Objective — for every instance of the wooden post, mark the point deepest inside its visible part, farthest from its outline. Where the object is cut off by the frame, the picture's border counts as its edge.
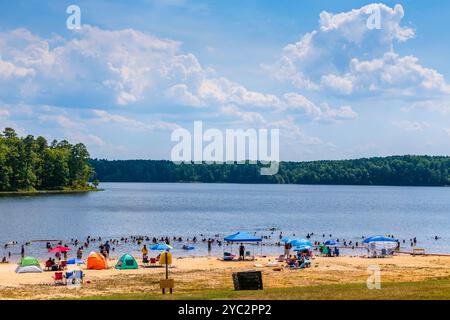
(166, 283)
(167, 270)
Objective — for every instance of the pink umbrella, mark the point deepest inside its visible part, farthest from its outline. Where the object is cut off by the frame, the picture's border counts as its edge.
(59, 249)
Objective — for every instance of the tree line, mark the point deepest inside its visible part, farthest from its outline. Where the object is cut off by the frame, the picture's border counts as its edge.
(406, 170)
(30, 164)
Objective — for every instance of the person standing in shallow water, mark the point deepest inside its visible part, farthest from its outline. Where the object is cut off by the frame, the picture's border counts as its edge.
(144, 252)
(79, 253)
(22, 251)
(209, 245)
(287, 249)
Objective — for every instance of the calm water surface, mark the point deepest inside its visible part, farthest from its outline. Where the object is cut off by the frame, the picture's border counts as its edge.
(188, 210)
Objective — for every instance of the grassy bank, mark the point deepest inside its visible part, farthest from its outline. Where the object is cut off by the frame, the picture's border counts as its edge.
(423, 290)
(46, 192)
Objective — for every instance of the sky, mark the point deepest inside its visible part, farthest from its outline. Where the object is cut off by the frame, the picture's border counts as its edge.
(335, 80)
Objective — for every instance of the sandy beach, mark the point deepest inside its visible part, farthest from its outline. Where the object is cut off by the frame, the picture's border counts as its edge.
(193, 274)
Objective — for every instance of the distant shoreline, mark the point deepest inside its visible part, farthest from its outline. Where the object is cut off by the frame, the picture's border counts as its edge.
(285, 184)
(407, 170)
(45, 192)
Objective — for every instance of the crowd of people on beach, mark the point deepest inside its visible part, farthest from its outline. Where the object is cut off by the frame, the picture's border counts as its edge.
(108, 246)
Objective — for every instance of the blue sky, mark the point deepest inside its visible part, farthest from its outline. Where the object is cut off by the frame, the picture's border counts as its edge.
(313, 69)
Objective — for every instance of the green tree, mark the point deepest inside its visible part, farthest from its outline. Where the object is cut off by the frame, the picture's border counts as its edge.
(29, 164)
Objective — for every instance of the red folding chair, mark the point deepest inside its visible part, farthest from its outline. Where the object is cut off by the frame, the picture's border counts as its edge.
(59, 279)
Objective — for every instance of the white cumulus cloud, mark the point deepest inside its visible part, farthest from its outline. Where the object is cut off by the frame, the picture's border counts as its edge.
(407, 125)
(344, 57)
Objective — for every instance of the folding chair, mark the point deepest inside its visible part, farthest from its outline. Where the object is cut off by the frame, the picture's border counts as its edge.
(59, 279)
(78, 274)
(249, 255)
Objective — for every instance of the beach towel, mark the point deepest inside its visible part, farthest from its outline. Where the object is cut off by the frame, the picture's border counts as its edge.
(272, 264)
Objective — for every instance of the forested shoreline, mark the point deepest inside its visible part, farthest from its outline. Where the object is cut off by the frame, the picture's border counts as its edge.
(29, 164)
(406, 170)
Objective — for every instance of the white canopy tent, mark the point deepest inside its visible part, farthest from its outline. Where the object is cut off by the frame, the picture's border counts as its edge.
(380, 246)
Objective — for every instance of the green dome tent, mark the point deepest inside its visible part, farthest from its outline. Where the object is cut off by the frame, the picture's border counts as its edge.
(29, 261)
(126, 262)
(29, 265)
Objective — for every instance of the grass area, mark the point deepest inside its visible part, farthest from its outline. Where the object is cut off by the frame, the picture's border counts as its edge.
(46, 192)
(423, 290)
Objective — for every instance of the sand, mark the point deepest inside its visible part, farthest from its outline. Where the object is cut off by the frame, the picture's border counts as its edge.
(203, 273)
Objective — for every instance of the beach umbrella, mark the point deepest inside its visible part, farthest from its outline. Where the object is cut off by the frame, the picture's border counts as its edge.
(330, 243)
(59, 249)
(300, 242)
(302, 248)
(161, 246)
(290, 240)
(75, 261)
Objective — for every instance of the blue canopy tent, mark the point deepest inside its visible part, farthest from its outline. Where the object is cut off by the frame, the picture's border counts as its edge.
(330, 243)
(243, 237)
(380, 246)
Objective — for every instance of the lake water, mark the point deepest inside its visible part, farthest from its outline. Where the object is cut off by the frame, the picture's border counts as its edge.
(187, 210)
